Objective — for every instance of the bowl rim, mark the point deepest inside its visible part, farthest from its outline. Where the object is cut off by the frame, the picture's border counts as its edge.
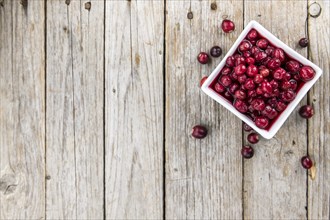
(268, 134)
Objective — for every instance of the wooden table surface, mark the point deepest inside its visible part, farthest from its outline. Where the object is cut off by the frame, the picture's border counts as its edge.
(98, 99)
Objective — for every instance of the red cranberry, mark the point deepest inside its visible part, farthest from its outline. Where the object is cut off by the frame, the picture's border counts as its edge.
(249, 84)
(280, 106)
(203, 58)
(261, 122)
(255, 50)
(269, 50)
(286, 76)
(259, 56)
(240, 105)
(246, 127)
(279, 73)
(272, 102)
(303, 42)
(274, 63)
(244, 46)
(230, 62)
(266, 61)
(216, 51)
(292, 66)
(253, 138)
(240, 94)
(225, 80)
(279, 53)
(306, 73)
(264, 72)
(252, 35)
(250, 60)
(233, 76)
(275, 93)
(266, 87)
(228, 96)
(202, 81)
(242, 78)
(240, 69)
(258, 78)
(269, 112)
(236, 55)
(253, 42)
(285, 85)
(293, 84)
(262, 43)
(296, 77)
(251, 93)
(274, 83)
(306, 111)
(252, 71)
(199, 132)
(219, 88)
(246, 54)
(233, 88)
(225, 71)
(247, 152)
(239, 60)
(259, 91)
(227, 26)
(306, 162)
(258, 104)
(288, 95)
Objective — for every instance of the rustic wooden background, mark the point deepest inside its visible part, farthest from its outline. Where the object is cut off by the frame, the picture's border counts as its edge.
(98, 99)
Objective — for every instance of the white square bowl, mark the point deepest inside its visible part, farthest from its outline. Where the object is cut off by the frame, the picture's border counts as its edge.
(268, 134)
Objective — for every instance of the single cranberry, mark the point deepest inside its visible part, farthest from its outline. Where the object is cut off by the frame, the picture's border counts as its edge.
(252, 93)
(228, 96)
(266, 87)
(296, 77)
(259, 56)
(199, 132)
(252, 70)
(261, 121)
(275, 93)
(286, 76)
(240, 94)
(288, 95)
(247, 152)
(225, 80)
(252, 35)
(274, 63)
(279, 53)
(244, 46)
(233, 76)
(226, 70)
(253, 138)
(269, 112)
(246, 54)
(259, 91)
(306, 73)
(274, 83)
(285, 85)
(268, 95)
(306, 111)
(219, 88)
(262, 43)
(255, 50)
(246, 127)
(227, 26)
(250, 60)
(303, 42)
(233, 88)
(272, 102)
(230, 62)
(203, 58)
(269, 50)
(258, 79)
(216, 51)
(242, 78)
(239, 60)
(280, 106)
(249, 84)
(266, 61)
(306, 162)
(293, 84)
(202, 81)
(279, 73)
(240, 69)
(258, 104)
(292, 66)
(264, 72)
(253, 42)
(240, 105)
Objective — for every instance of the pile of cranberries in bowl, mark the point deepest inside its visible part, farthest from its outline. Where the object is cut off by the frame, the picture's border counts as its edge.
(260, 80)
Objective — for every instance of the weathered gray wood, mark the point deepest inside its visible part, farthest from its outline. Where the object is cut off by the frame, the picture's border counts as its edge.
(75, 50)
(319, 124)
(22, 110)
(203, 177)
(134, 109)
(274, 181)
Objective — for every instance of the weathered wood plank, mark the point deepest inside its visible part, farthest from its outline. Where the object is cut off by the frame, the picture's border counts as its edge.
(22, 110)
(319, 124)
(274, 180)
(75, 50)
(134, 109)
(203, 177)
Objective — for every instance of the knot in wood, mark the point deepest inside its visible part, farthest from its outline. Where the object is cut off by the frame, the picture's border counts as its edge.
(88, 6)
(190, 15)
(214, 6)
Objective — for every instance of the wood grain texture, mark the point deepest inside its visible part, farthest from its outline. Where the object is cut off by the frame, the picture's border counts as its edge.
(274, 180)
(319, 124)
(198, 172)
(22, 110)
(134, 109)
(75, 50)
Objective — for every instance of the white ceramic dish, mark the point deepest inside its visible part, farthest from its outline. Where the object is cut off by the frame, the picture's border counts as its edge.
(268, 134)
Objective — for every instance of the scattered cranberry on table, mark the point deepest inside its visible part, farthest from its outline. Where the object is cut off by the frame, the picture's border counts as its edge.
(227, 26)
(203, 58)
(216, 51)
(199, 132)
(253, 138)
(306, 162)
(246, 127)
(247, 151)
(306, 111)
(303, 42)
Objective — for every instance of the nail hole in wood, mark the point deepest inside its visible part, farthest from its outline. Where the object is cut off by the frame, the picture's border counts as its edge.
(48, 177)
(88, 6)
(24, 3)
(190, 15)
(67, 2)
(113, 90)
(214, 6)
(314, 10)
(293, 142)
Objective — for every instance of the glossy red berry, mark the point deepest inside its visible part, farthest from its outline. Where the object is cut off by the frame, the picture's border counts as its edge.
(219, 88)
(227, 26)
(306, 111)
(247, 152)
(253, 138)
(292, 66)
(261, 122)
(303, 42)
(199, 132)
(240, 105)
(203, 58)
(306, 162)
(252, 35)
(306, 73)
(216, 51)
(262, 43)
(246, 127)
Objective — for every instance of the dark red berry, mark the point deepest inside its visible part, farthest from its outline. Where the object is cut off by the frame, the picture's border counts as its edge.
(279, 73)
(227, 26)
(239, 60)
(219, 88)
(264, 72)
(306, 73)
(202, 81)
(240, 94)
(249, 84)
(252, 71)
(306, 162)
(306, 111)
(230, 62)
(233, 88)
(226, 70)
(240, 105)
(261, 122)
(288, 95)
(266, 87)
(246, 127)
(240, 69)
(203, 58)
(274, 63)
(250, 60)
(262, 43)
(199, 132)
(216, 51)
(280, 106)
(303, 42)
(246, 54)
(259, 56)
(244, 46)
(252, 35)
(292, 66)
(279, 53)
(251, 93)
(258, 104)
(253, 138)
(285, 85)
(247, 152)
(225, 80)
(242, 78)
(258, 78)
